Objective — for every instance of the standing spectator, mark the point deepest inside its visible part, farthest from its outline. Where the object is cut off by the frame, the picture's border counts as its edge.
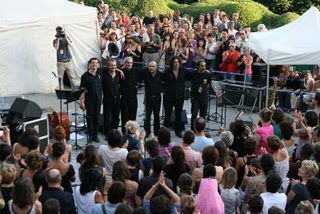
(182, 51)
(134, 165)
(133, 138)
(90, 100)
(66, 169)
(256, 184)
(244, 64)
(59, 134)
(223, 45)
(148, 19)
(255, 204)
(230, 58)
(192, 158)
(235, 19)
(211, 48)
(271, 197)
(250, 147)
(152, 47)
(55, 191)
(177, 167)
(200, 141)
(281, 158)
(87, 194)
(116, 194)
(24, 199)
(123, 20)
(121, 173)
(165, 143)
(304, 133)
(229, 194)
(51, 206)
(199, 52)
(8, 175)
(299, 191)
(146, 183)
(227, 138)
(91, 161)
(208, 21)
(287, 136)
(240, 133)
(208, 192)
(161, 203)
(263, 132)
(152, 148)
(111, 153)
(34, 170)
(100, 6)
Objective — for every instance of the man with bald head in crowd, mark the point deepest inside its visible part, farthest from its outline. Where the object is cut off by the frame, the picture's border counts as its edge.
(55, 191)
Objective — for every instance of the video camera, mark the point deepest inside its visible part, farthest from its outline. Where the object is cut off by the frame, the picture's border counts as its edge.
(60, 32)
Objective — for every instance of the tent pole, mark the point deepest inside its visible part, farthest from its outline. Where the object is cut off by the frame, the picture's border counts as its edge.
(267, 86)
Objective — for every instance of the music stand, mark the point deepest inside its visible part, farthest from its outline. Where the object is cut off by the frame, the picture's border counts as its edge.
(74, 97)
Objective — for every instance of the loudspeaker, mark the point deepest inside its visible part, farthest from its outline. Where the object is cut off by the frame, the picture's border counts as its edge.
(21, 111)
(22, 108)
(259, 74)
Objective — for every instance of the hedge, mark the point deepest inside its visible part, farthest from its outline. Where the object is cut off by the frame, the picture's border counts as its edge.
(251, 13)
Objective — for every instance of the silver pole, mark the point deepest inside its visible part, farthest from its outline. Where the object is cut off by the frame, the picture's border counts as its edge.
(267, 85)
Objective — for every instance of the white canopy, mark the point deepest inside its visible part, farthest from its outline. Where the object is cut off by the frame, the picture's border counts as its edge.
(27, 31)
(294, 44)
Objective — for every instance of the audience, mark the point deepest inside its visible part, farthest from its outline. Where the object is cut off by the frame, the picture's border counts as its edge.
(238, 174)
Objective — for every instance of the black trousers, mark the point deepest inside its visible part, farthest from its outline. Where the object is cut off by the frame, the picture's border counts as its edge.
(177, 103)
(129, 105)
(93, 112)
(111, 112)
(153, 105)
(198, 104)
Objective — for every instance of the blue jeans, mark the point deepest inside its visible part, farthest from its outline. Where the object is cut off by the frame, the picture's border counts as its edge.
(230, 76)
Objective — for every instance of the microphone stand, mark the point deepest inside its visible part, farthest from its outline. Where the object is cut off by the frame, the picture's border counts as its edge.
(60, 88)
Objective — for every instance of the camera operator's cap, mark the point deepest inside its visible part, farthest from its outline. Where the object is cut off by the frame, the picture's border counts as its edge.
(59, 29)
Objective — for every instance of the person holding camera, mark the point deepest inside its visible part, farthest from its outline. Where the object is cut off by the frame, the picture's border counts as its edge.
(61, 43)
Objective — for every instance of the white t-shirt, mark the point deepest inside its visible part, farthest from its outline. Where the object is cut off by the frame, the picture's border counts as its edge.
(273, 199)
(110, 156)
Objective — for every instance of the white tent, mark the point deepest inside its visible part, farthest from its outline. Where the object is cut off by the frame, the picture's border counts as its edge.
(295, 43)
(27, 30)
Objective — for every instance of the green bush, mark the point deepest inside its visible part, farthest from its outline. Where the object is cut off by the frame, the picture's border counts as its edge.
(251, 13)
(142, 7)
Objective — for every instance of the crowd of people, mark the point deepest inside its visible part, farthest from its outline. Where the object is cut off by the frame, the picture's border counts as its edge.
(271, 168)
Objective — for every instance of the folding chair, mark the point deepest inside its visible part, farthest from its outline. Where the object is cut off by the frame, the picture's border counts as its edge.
(247, 103)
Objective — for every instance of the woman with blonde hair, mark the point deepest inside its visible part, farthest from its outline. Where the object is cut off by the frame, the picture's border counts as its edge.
(229, 194)
(299, 191)
(8, 175)
(133, 138)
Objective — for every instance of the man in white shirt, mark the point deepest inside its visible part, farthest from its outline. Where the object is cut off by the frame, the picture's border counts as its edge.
(272, 197)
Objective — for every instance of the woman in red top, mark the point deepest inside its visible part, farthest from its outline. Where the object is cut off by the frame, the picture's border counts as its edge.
(230, 58)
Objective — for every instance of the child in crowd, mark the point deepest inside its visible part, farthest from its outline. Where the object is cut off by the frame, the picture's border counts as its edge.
(229, 194)
(266, 130)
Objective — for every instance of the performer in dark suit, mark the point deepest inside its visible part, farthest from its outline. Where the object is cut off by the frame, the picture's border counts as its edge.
(174, 88)
(153, 89)
(90, 100)
(200, 85)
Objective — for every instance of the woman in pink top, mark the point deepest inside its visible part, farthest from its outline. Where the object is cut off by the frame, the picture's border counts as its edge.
(263, 132)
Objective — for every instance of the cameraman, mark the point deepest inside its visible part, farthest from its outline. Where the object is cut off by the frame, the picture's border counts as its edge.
(61, 44)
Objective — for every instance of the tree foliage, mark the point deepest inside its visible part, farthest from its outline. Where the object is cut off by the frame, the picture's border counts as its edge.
(251, 13)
